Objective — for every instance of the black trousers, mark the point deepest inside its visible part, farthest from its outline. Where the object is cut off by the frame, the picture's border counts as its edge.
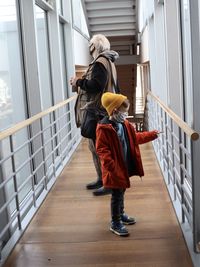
(96, 160)
(117, 204)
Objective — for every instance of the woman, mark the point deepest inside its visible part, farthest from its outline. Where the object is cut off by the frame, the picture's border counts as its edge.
(99, 78)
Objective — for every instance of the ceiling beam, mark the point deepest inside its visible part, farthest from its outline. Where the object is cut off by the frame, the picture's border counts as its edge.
(108, 13)
(110, 5)
(111, 20)
(113, 27)
(117, 33)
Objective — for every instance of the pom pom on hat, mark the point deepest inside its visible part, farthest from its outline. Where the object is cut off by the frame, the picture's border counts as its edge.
(110, 101)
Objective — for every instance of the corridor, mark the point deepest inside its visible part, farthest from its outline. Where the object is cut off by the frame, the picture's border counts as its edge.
(71, 227)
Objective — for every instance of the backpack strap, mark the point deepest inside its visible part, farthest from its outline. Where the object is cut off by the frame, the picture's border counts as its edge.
(111, 70)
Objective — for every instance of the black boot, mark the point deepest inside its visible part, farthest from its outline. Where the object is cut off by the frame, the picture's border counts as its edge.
(102, 191)
(94, 185)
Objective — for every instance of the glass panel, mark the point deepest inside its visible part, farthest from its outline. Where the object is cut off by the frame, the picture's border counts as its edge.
(63, 61)
(60, 8)
(187, 61)
(64, 112)
(43, 58)
(44, 74)
(79, 18)
(187, 85)
(12, 101)
(11, 87)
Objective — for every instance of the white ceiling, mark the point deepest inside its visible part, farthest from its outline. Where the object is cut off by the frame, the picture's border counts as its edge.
(116, 19)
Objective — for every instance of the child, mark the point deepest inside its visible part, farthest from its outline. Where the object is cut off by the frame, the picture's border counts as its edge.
(117, 145)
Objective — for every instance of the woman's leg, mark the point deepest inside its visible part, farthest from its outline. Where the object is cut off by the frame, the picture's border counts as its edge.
(98, 183)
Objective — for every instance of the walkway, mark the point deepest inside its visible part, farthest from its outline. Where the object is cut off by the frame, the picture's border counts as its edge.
(71, 227)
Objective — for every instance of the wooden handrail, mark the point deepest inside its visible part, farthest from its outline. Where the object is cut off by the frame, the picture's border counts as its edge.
(10, 131)
(189, 131)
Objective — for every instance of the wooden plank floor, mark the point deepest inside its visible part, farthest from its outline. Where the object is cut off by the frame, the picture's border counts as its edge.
(72, 226)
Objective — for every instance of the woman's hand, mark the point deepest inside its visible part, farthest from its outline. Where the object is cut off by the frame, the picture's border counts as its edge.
(73, 81)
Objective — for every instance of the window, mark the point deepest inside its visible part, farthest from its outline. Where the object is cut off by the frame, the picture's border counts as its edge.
(43, 58)
(187, 60)
(79, 17)
(60, 7)
(187, 77)
(44, 74)
(12, 100)
(11, 83)
(64, 135)
(63, 60)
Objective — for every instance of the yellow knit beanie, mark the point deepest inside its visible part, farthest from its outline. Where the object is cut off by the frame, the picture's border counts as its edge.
(110, 101)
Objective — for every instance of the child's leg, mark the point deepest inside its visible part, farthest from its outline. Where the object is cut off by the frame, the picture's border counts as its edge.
(123, 216)
(122, 202)
(115, 204)
(117, 226)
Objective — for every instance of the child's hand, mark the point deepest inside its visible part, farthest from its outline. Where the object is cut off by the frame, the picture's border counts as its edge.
(158, 132)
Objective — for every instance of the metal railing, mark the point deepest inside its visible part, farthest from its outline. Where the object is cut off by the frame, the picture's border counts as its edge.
(174, 154)
(32, 155)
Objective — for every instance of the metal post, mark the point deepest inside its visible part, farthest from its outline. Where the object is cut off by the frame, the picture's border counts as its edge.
(15, 181)
(31, 164)
(195, 154)
(181, 174)
(173, 159)
(52, 142)
(43, 154)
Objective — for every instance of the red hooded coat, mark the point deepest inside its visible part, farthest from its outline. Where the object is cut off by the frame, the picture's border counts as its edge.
(109, 149)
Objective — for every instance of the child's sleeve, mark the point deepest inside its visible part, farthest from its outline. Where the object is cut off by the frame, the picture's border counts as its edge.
(144, 137)
(103, 150)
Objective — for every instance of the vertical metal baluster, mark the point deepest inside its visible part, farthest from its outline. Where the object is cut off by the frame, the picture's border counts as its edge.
(43, 153)
(52, 142)
(159, 128)
(195, 195)
(173, 157)
(31, 165)
(167, 146)
(162, 136)
(15, 181)
(154, 115)
(150, 114)
(60, 137)
(181, 175)
(156, 126)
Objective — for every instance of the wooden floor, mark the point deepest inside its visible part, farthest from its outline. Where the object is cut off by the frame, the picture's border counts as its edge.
(72, 226)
